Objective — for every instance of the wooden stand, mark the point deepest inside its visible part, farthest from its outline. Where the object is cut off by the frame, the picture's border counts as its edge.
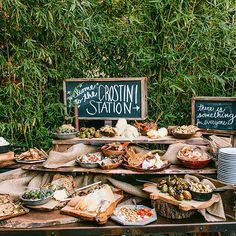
(63, 145)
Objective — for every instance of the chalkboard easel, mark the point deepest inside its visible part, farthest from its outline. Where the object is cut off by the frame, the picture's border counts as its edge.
(106, 98)
(215, 115)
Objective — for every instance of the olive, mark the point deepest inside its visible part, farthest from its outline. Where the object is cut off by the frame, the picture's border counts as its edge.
(92, 129)
(82, 129)
(169, 182)
(163, 181)
(179, 187)
(187, 195)
(82, 135)
(173, 182)
(164, 188)
(159, 186)
(185, 186)
(179, 196)
(171, 191)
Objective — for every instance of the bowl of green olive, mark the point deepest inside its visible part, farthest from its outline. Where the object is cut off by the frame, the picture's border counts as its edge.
(35, 197)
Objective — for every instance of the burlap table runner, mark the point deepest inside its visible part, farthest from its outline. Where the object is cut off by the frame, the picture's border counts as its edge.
(67, 158)
(215, 212)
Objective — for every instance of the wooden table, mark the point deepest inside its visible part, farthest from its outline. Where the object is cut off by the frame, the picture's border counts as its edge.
(173, 169)
(62, 145)
(194, 224)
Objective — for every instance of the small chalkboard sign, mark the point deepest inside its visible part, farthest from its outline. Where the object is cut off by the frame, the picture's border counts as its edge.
(215, 113)
(107, 98)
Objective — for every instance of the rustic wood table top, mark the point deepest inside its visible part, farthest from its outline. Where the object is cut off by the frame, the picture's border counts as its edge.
(173, 169)
(162, 225)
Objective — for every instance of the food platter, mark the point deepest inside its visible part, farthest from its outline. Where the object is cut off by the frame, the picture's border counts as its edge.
(21, 211)
(139, 215)
(32, 156)
(29, 161)
(35, 197)
(139, 169)
(95, 202)
(90, 160)
(8, 209)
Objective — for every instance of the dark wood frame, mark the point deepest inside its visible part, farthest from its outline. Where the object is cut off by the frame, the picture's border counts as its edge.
(194, 99)
(143, 94)
(165, 226)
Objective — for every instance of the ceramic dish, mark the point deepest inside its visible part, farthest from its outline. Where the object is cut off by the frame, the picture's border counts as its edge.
(5, 148)
(29, 161)
(194, 164)
(64, 135)
(202, 197)
(90, 160)
(88, 165)
(139, 169)
(120, 218)
(36, 202)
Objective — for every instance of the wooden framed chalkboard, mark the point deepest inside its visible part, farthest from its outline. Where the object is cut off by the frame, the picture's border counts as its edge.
(107, 98)
(215, 114)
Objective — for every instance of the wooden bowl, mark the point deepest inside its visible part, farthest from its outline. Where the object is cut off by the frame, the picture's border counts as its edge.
(111, 166)
(108, 152)
(183, 136)
(194, 164)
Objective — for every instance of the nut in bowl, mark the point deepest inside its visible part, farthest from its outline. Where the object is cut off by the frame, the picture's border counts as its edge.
(65, 132)
(35, 197)
(184, 131)
(193, 157)
(90, 160)
(203, 192)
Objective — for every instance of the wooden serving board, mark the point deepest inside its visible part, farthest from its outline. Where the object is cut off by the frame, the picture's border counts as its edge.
(15, 214)
(49, 206)
(183, 205)
(85, 215)
(140, 139)
(173, 169)
(7, 159)
(39, 219)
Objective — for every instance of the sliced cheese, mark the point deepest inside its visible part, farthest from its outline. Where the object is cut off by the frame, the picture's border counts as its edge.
(92, 201)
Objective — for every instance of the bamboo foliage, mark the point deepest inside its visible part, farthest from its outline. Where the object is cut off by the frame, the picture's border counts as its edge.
(185, 48)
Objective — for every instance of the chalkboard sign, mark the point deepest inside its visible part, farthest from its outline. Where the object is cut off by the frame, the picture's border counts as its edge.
(107, 98)
(215, 113)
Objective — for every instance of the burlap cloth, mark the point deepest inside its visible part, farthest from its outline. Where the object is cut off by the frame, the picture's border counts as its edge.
(67, 158)
(215, 212)
(171, 153)
(17, 181)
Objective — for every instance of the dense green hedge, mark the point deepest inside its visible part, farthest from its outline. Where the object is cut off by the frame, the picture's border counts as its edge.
(185, 48)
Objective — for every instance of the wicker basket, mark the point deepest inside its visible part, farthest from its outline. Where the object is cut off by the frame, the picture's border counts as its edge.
(112, 166)
(109, 153)
(170, 211)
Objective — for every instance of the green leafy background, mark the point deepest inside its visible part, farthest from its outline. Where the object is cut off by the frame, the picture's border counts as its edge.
(185, 48)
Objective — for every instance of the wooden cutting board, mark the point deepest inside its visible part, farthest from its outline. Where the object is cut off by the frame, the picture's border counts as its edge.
(7, 159)
(85, 215)
(183, 205)
(49, 206)
(39, 219)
